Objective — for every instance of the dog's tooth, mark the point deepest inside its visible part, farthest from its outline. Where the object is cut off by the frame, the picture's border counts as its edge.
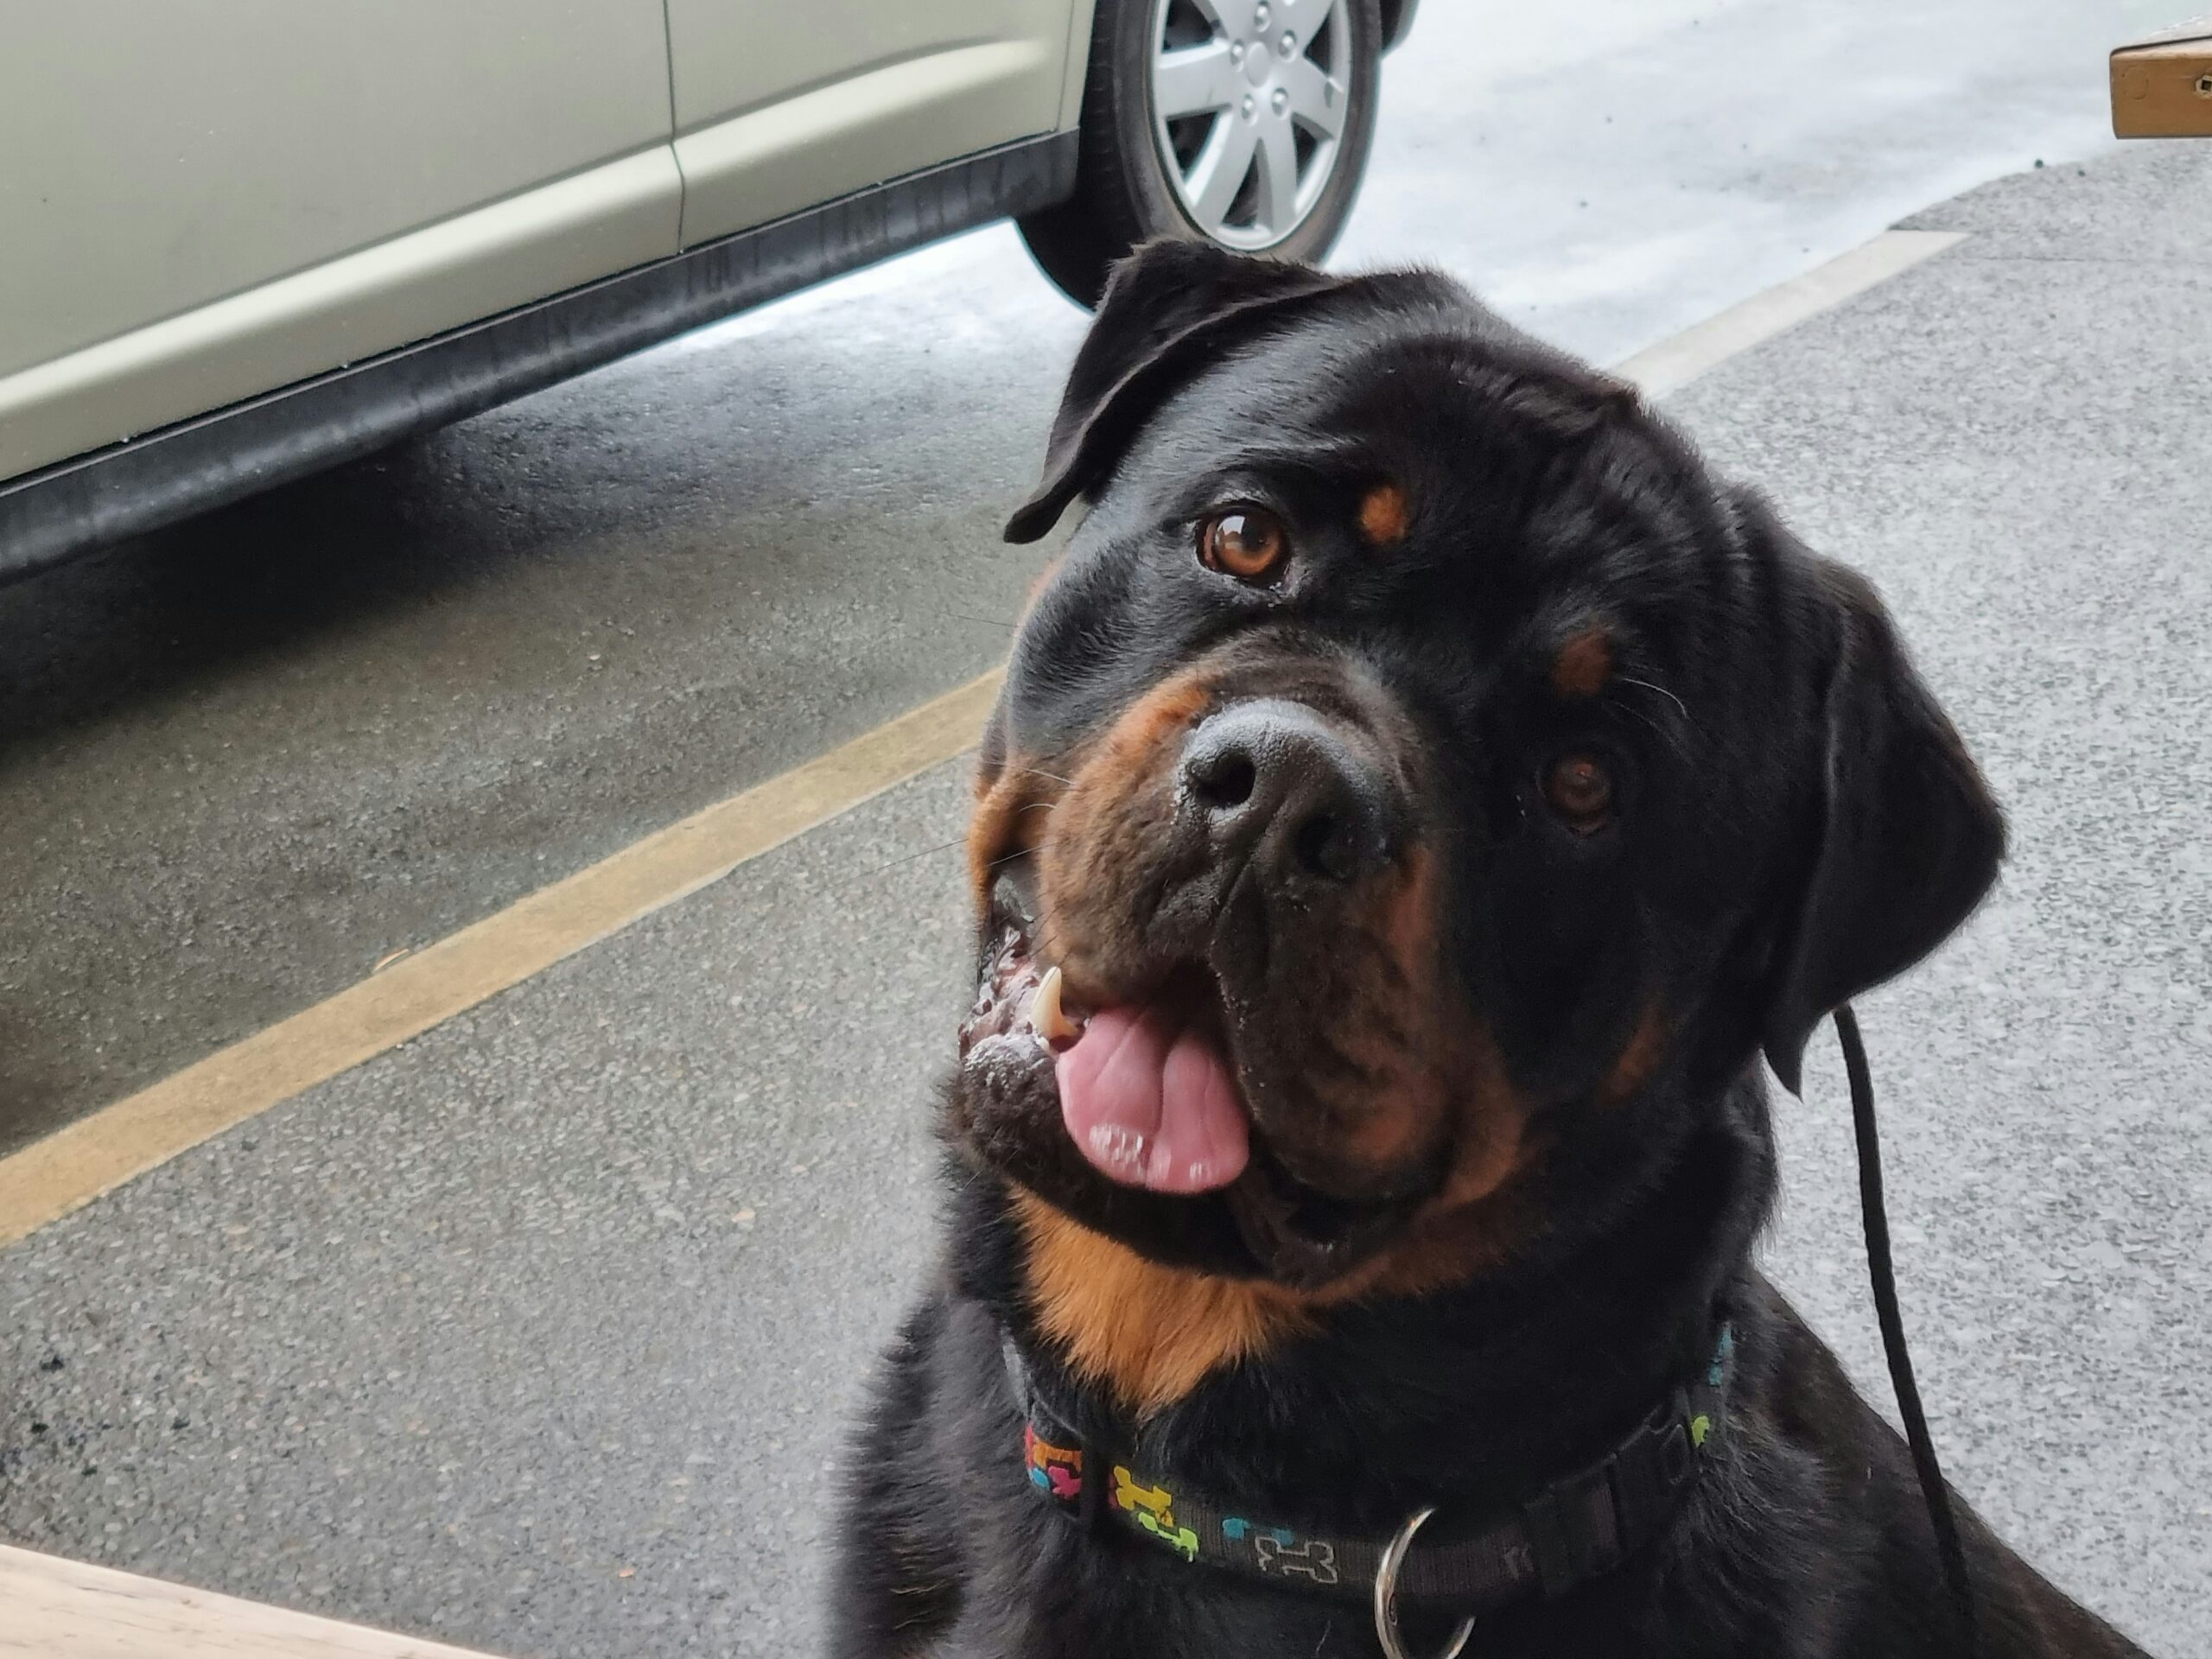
(1049, 1019)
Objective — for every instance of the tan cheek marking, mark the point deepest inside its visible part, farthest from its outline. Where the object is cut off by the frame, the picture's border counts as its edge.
(1494, 1130)
(1584, 665)
(1105, 822)
(1646, 1047)
(1384, 515)
(1448, 1248)
(1451, 1079)
(1390, 1132)
(1474, 1223)
(1409, 922)
(1485, 1206)
(1009, 818)
(1149, 1333)
(1164, 711)
(1386, 1133)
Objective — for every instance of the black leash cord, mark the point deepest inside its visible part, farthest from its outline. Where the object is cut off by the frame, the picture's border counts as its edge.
(1883, 1274)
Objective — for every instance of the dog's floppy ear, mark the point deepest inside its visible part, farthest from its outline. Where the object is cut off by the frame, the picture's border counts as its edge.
(1169, 309)
(1907, 838)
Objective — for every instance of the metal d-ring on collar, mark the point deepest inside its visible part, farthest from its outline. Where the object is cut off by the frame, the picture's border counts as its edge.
(1386, 1594)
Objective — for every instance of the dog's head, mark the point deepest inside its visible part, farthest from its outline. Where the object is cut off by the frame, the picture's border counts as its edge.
(1415, 758)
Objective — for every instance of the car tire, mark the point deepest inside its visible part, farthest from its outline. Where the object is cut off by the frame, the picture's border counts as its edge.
(1140, 175)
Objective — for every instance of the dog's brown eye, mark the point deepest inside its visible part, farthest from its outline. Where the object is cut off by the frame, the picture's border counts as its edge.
(1581, 791)
(1245, 542)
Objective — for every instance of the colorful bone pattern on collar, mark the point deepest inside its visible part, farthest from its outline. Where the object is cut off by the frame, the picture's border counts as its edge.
(1196, 1530)
(1055, 1471)
(1151, 1509)
(1572, 1530)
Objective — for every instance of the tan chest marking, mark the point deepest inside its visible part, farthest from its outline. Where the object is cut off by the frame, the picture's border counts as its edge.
(1149, 1333)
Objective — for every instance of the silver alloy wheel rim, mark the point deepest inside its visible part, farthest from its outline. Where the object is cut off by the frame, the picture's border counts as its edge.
(1248, 99)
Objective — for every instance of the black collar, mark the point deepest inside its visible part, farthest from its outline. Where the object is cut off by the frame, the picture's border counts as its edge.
(1567, 1533)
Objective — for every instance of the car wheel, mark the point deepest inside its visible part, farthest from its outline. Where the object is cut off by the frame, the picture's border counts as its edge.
(1244, 122)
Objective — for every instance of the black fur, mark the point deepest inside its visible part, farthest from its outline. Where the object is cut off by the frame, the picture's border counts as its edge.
(1798, 822)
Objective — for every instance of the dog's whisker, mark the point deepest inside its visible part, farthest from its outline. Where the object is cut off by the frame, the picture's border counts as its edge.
(1680, 706)
(908, 858)
(1643, 719)
(948, 846)
(1671, 736)
(1018, 852)
(1039, 771)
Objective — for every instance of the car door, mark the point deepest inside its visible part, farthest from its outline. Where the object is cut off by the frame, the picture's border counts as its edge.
(780, 108)
(203, 201)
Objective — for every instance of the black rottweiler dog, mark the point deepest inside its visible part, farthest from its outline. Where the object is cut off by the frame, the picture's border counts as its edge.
(1419, 796)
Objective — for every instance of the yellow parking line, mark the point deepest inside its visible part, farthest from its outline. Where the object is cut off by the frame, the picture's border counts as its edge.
(74, 1165)
(1675, 361)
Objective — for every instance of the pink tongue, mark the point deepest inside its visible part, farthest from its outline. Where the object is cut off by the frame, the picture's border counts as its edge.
(1152, 1104)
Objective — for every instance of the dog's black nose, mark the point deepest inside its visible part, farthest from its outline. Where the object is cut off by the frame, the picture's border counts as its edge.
(1273, 781)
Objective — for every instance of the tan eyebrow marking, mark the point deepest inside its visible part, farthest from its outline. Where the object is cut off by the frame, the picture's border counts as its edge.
(1384, 515)
(1584, 665)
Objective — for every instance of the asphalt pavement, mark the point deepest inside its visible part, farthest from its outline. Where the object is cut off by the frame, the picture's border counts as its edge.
(244, 762)
(540, 1332)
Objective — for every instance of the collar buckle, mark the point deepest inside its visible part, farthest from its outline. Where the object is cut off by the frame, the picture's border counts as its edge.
(1574, 1529)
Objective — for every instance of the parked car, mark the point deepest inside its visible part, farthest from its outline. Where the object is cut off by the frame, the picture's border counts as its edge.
(247, 238)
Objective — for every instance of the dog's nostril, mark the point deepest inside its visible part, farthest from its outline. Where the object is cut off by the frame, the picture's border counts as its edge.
(1327, 845)
(1224, 779)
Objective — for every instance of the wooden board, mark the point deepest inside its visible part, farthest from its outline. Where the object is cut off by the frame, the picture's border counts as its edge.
(58, 1608)
(2162, 87)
